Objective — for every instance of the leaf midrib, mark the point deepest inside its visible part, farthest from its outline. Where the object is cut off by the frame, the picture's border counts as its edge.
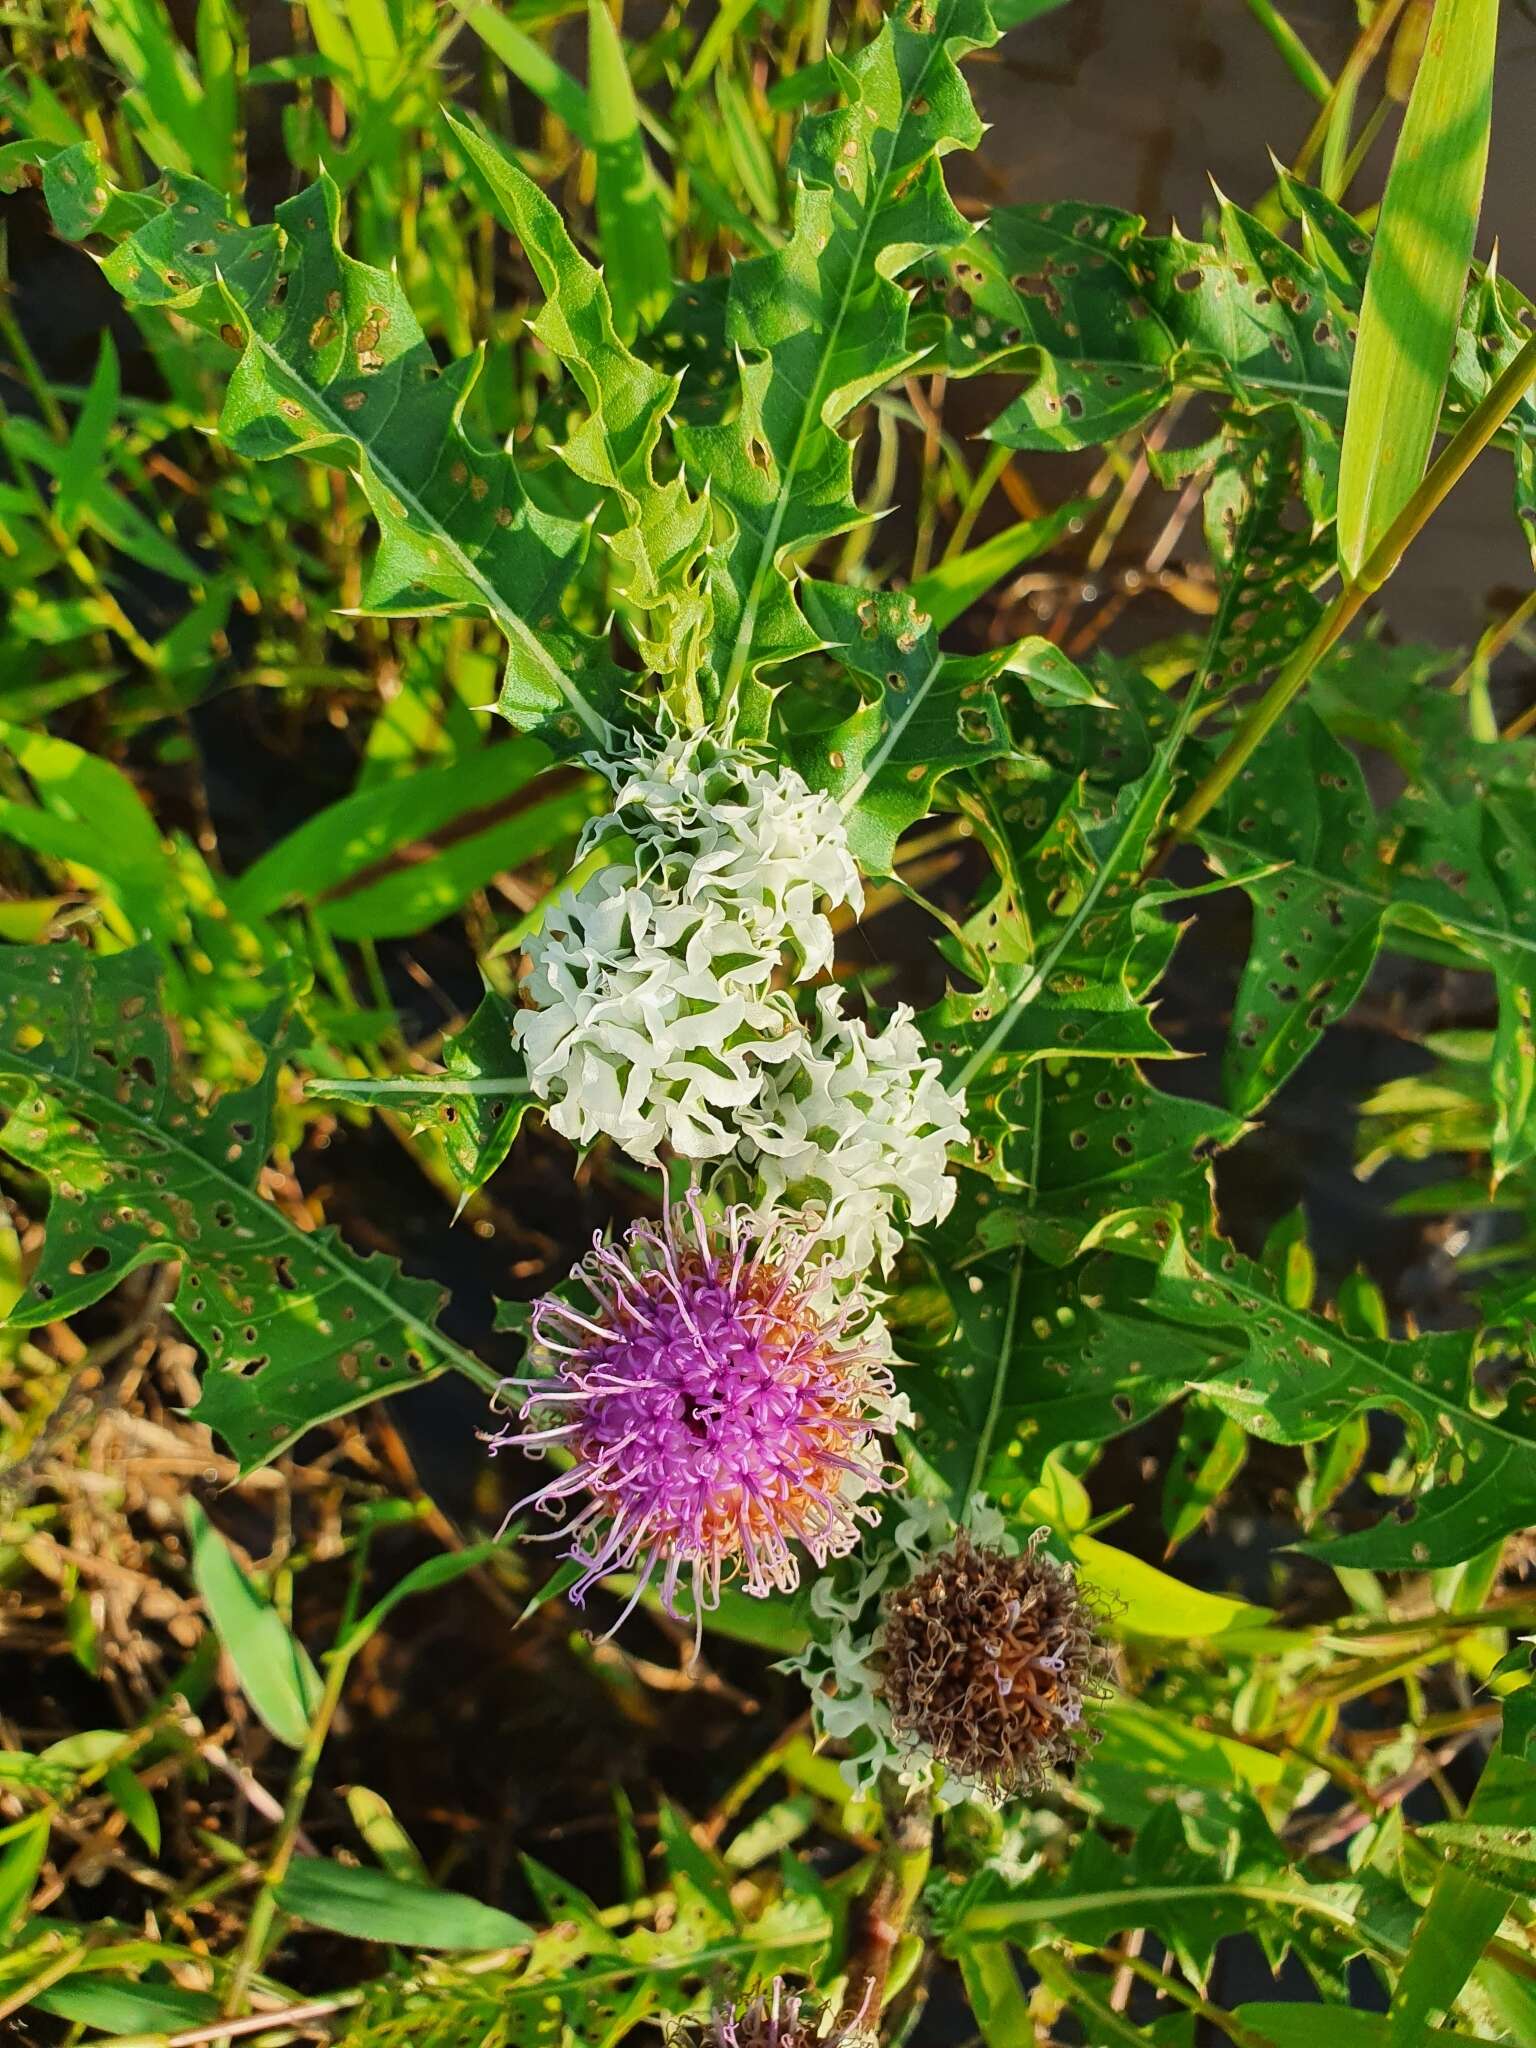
(997, 1919)
(108, 1111)
(741, 653)
(511, 624)
(1425, 1401)
(1343, 885)
(911, 703)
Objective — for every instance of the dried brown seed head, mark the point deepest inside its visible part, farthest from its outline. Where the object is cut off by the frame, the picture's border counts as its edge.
(986, 1660)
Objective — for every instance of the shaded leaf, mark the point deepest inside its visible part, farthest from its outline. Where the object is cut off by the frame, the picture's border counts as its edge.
(333, 364)
(144, 1168)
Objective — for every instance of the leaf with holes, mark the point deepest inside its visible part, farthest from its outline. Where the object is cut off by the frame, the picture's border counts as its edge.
(658, 549)
(1266, 569)
(1104, 321)
(1291, 1377)
(931, 714)
(1113, 320)
(144, 1167)
(1204, 1865)
(1449, 870)
(1025, 1357)
(1314, 944)
(1053, 986)
(1087, 1139)
(822, 323)
(332, 364)
(475, 1106)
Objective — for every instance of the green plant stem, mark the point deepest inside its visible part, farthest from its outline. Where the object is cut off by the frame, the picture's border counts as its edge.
(264, 1911)
(1171, 1988)
(273, 2023)
(1347, 84)
(1468, 442)
(895, 1885)
(61, 1966)
(1299, 60)
(976, 498)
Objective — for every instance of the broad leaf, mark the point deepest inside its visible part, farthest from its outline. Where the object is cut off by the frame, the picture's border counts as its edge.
(145, 1167)
(822, 323)
(332, 363)
(475, 1107)
(930, 713)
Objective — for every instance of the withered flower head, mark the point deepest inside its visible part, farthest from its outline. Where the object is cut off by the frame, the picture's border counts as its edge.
(777, 2018)
(985, 1660)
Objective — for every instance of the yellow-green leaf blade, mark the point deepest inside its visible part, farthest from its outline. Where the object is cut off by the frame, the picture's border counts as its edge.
(1417, 277)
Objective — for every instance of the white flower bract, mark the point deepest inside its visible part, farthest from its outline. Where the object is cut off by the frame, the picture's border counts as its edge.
(653, 1013)
(711, 825)
(839, 1665)
(852, 1124)
(652, 1020)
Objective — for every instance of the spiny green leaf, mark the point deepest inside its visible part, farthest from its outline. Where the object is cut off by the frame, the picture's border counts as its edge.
(1290, 1377)
(822, 323)
(333, 364)
(1085, 1139)
(1205, 1865)
(1105, 321)
(930, 715)
(1025, 1357)
(1450, 866)
(145, 1168)
(1266, 571)
(658, 550)
(1313, 944)
(1114, 319)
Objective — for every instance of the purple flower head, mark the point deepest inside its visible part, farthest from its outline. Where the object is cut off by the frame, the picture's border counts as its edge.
(719, 1400)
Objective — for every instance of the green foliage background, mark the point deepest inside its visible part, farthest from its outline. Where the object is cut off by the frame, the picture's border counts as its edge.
(501, 528)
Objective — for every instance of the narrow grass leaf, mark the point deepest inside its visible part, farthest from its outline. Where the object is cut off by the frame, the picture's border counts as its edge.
(1463, 1915)
(959, 581)
(373, 1906)
(631, 215)
(531, 65)
(114, 2006)
(135, 1804)
(1418, 276)
(88, 443)
(20, 1863)
(275, 1672)
(374, 1819)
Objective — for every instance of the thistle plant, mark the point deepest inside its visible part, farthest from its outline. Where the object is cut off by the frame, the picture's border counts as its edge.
(905, 1276)
(985, 1660)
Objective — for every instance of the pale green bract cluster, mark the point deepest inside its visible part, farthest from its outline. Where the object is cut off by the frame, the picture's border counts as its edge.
(658, 1011)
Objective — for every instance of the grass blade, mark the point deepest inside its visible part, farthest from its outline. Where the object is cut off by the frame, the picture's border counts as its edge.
(276, 1675)
(531, 65)
(1417, 276)
(631, 216)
